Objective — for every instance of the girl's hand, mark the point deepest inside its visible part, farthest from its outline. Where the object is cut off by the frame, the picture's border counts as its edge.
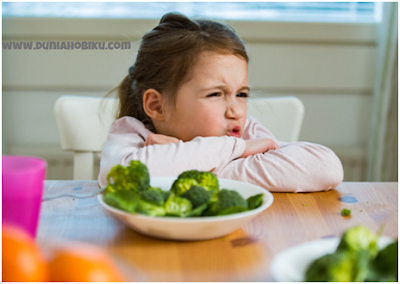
(159, 139)
(257, 146)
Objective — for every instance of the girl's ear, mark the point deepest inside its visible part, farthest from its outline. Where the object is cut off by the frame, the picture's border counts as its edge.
(153, 104)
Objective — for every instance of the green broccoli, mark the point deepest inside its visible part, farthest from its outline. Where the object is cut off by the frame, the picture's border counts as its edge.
(189, 174)
(197, 195)
(354, 260)
(134, 177)
(153, 196)
(166, 195)
(335, 267)
(345, 212)
(207, 180)
(194, 177)
(177, 206)
(149, 208)
(228, 202)
(359, 238)
(156, 189)
(181, 185)
(123, 199)
(384, 267)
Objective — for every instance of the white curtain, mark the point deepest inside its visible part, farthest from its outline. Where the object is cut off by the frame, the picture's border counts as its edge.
(383, 144)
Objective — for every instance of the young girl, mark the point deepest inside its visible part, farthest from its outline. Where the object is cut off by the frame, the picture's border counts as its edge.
(183, 107)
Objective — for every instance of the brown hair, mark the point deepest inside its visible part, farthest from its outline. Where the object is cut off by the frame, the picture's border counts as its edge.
(165, 57)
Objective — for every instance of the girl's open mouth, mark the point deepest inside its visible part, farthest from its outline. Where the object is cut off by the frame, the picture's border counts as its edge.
(235, 132)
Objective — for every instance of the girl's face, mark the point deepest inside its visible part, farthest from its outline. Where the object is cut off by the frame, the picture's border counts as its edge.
(212, 101)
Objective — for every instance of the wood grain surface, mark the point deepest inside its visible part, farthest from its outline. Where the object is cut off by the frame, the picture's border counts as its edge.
(244, 255)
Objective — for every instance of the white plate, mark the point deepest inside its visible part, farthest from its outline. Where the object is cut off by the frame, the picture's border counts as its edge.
(291, 264)
(194, 228)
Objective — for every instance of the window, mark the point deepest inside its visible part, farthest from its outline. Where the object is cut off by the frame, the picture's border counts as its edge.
(260, 11)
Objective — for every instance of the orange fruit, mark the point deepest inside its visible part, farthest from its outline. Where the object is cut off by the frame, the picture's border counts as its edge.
(22, 259)
(80, 262)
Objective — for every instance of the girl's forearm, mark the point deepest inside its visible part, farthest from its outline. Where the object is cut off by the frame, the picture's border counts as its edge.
(296, 167)
(202, 153)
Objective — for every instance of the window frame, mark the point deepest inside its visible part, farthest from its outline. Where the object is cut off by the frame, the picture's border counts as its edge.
(249, 31)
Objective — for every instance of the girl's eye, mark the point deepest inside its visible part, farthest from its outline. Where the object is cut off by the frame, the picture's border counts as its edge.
(214, 95)
(242, 95)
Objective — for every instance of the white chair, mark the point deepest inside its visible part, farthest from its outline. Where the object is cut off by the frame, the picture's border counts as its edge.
(83, 124)
(283, 116)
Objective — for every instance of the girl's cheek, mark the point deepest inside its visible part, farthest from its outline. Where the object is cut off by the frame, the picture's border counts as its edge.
(214, 115)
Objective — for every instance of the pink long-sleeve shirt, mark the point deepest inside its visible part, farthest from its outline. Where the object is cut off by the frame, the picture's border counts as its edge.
(295, 167)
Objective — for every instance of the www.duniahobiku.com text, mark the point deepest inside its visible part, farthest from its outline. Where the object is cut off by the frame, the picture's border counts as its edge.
(66, 45)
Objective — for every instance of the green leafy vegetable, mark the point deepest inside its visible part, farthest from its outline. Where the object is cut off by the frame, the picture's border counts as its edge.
(177, 206)
(150, 209)
(188, 179)
(346, 212)
(356, 259)
(134, 177)
(359, 238)
(197, 195)
(197, 211)
(193, 194)
(384, 267)
(181, 185)
(254, 201)
(153, 196)
(228, 202)
(335, 267)
(123, 199)
(166, 195)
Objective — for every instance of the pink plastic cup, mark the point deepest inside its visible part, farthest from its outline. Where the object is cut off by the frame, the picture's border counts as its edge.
(23, 184)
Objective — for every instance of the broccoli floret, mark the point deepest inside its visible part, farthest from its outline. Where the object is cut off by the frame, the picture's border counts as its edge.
(182, 185)
(134, 177)
(359, 238)
(384, 267)
(340, 266)
(189, 174)
(153, 196)
(166, 195)
(123, 199)
(345, 212)
(350, 261)
(194, 177)
(150, 209)
(228, 202)
(207, 180)
(177, 206)
(197, 195)
(335, 267)
(156, 189)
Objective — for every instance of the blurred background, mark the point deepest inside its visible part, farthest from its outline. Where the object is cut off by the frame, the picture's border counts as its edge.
(339, 58)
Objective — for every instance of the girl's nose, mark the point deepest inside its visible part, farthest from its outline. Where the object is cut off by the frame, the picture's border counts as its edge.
(234, 111)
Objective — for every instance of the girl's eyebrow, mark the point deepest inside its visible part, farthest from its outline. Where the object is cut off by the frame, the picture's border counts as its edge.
(222, 87)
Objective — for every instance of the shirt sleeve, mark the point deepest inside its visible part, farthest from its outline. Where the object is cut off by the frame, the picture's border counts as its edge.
(295, 167)
(201, 153)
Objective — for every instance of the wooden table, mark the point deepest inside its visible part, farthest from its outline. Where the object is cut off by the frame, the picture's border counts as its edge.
(244, 255)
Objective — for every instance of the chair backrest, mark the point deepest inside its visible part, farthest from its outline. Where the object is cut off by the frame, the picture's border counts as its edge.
(83, 124)
(283, 116)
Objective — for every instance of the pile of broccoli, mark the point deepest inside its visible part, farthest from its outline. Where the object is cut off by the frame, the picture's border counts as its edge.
(356, 259)
(193, 194)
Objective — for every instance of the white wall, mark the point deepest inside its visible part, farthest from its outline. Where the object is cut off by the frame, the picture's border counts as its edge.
(329, 66)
